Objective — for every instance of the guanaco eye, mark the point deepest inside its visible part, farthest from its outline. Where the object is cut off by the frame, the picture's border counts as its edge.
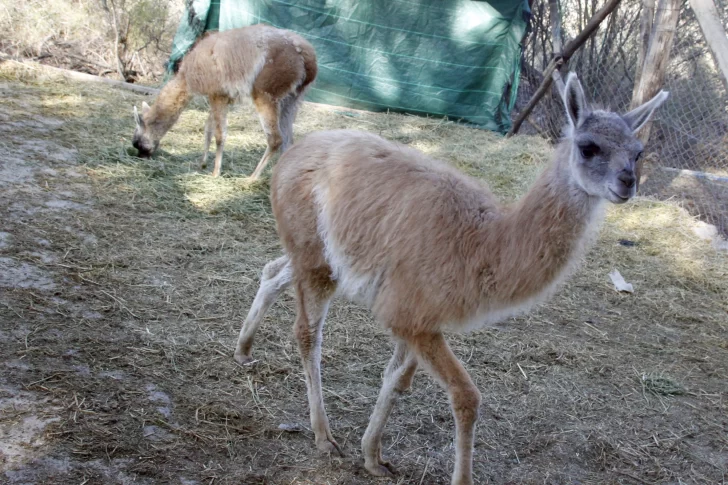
(637, 158)
(589, 151)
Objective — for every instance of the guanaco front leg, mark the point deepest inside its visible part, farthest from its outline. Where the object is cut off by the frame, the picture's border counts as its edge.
(209, 127)
(436, 357)
(313, 303)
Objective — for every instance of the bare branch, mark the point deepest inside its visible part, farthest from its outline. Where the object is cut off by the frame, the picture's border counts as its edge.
(569, 50)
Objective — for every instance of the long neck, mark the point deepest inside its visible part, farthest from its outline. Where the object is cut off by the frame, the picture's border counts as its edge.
(542, 234)
(172, 99)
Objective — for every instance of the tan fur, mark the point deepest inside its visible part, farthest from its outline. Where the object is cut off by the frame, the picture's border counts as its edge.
(272, 66)
(458, 252)
(429, 249)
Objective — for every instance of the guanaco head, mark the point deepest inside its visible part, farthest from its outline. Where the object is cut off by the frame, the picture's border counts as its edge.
(604, 149)
(143, 140)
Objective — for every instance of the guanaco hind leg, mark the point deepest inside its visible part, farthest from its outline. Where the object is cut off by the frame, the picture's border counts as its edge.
(397, 379)
(269, 112)
(277, 276)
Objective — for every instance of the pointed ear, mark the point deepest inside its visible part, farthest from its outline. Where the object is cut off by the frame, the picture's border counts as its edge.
(145, 108)
(637, 118)
(574, 101)
(138, 119)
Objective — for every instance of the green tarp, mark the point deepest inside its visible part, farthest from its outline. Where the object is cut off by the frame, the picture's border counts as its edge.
(458, 58)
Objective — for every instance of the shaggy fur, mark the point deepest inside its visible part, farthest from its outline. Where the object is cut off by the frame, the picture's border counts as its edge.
(272, 66)
(429, 249)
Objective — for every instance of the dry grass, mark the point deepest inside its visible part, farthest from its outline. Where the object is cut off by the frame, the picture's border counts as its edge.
(132, 348)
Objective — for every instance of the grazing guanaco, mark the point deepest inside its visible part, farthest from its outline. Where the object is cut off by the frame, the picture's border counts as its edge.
(272, 66)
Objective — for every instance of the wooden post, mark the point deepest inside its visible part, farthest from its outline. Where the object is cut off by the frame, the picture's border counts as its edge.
(714, 34)
(569, 50)
(657, 57)
(646, 19)
(653, 72)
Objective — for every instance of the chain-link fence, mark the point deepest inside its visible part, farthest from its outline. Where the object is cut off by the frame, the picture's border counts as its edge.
(687, 155)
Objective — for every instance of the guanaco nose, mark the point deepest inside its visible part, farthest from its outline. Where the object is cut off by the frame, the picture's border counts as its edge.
(628, 178)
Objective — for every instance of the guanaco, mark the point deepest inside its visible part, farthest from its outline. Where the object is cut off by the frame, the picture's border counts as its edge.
(430, 250)
(274, 67)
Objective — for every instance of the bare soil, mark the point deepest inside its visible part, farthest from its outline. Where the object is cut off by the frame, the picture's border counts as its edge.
(123, 284)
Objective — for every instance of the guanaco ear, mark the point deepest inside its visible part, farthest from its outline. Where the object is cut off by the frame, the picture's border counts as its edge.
(574, 101)
(145, 108)
(637, 118)
(138, 119)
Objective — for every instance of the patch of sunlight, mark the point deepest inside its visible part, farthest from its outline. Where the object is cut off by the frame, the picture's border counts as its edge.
(67, 101)
(426, 146)
(666, 231)
(117, 171)
(683, 182)
(382, 77)
(690, 180)
(645, 214)
(207, 193)
(187, 135)
(472, 19)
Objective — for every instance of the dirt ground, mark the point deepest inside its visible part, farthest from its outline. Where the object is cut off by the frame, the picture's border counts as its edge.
(123, 284)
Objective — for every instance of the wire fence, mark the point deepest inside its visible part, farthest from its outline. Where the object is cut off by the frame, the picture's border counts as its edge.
(687, 154)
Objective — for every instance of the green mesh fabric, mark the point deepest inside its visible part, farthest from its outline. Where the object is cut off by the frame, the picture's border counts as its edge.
(457, 58)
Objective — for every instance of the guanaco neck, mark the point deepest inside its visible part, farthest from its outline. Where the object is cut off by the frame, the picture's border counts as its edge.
(172, 99)
(542, 234)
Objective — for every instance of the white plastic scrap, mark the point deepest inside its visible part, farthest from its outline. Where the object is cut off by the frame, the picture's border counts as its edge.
(619, 283)
(290, 427)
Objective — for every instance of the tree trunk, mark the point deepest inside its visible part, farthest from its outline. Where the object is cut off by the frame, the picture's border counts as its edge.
(655, 65)
(114, 21)
(647, 17)
(714, 34)
(555, 22)
(657, 57)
